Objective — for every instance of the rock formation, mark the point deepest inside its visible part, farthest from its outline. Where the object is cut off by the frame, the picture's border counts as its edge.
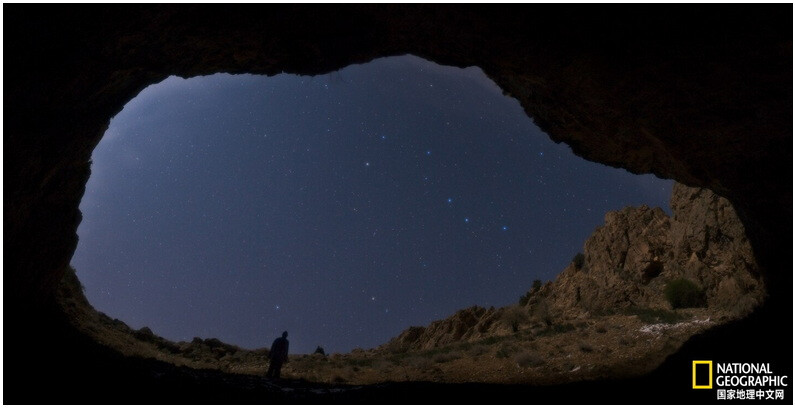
(627, 263)
(466, 324)
(629, 259)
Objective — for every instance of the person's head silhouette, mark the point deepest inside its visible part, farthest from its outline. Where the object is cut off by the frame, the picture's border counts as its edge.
(284, 335)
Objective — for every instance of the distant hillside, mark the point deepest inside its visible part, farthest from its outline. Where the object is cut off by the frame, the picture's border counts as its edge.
(626, 266)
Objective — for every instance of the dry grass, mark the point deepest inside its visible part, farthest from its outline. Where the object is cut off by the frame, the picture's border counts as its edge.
(541, 351)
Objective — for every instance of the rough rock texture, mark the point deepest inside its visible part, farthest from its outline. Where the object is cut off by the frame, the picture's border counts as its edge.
(620, 258)
(467, 324)
(629, 259)
(710, 247)
(699, 94)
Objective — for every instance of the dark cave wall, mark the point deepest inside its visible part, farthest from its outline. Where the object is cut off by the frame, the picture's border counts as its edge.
(701, 94)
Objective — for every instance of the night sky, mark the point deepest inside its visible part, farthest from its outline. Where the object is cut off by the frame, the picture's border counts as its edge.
(343, 208)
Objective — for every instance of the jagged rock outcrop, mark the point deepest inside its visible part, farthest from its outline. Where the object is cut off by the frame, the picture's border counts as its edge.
(466, 324)
(637, 251)
(711, 248)
(622, 258)
(627, 263)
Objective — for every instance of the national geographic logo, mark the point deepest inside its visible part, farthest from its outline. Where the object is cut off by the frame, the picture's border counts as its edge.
(702, 374)
(739, 381)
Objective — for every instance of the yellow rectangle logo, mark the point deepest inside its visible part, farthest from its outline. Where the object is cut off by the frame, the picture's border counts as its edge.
(699, 381)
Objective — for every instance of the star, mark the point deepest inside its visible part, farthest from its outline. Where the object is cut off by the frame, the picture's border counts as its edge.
(383, 225)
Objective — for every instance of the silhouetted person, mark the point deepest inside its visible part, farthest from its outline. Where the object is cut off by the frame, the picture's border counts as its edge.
(278, 356)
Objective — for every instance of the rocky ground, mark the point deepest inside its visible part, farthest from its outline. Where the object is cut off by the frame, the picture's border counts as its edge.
(618, 345)
(606, 315)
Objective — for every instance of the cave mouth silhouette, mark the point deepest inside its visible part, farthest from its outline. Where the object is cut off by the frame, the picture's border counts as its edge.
(193, 173)
(590, 77)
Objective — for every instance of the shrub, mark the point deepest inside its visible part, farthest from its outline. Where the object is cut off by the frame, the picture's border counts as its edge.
(443, 358)
(361, 362)
(578, 260)
(525, 298)
(536, 285)
(396, 359)
(533, 290)
(503, 352)
(682, 293)
(478, 350)
(543, 312)
(529, 359)
(145, 334)
(514, 317)
(437, 350)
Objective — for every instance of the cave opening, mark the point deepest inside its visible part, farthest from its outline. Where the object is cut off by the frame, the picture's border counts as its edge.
(344, 208)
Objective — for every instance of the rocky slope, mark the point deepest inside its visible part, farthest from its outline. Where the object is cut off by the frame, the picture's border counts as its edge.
(467, 324)
(626, 265)
(198, 353)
